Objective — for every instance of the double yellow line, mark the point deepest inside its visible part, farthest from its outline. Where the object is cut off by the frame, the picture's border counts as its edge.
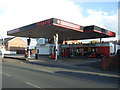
(94, 73)
(53, 70)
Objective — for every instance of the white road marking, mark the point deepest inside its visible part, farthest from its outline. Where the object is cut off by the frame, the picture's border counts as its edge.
(46, 70)
(5, 74)
(32, 85)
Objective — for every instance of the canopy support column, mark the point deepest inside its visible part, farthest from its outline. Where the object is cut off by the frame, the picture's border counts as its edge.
(28, 42)
(56, 46)
(100, 40)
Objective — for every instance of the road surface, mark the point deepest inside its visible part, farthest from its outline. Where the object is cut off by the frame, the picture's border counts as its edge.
(19, 74)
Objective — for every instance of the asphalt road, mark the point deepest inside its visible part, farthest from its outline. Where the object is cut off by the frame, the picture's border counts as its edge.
(18, 74)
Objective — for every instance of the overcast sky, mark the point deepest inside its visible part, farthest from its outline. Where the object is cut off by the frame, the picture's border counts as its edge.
(17, 13)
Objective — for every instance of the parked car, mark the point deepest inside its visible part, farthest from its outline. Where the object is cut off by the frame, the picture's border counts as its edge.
(92, 55)
(100, 56)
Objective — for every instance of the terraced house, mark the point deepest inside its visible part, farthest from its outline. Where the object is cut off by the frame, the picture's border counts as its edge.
(14, 44)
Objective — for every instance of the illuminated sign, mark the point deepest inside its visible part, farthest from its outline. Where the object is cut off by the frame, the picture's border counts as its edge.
(46, 22)
(110, 33)
(67, 24)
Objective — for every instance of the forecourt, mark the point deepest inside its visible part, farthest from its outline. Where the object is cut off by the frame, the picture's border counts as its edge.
(59, 30)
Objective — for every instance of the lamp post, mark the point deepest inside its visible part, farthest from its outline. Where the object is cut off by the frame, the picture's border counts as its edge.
(2, 47)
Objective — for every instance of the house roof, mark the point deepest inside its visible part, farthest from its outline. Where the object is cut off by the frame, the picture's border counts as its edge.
(6, 39)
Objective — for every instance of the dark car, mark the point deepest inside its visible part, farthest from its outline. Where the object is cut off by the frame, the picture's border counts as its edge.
(99, 56)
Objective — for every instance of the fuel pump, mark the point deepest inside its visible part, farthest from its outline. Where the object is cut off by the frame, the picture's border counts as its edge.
(93, 53)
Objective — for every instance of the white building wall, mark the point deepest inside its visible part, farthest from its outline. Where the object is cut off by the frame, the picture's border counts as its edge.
(111, 47)
(44, 50)
(41, 41)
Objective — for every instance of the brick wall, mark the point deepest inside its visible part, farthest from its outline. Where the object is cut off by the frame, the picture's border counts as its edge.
(16, 44)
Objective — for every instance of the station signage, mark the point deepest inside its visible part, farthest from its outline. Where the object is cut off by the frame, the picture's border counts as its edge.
(67, 24)
(46, 22)
(110, 33)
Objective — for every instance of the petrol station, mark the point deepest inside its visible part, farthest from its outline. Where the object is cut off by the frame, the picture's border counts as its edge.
(57, 31)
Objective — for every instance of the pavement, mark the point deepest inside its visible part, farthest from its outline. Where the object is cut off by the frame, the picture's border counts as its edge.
(81, 64)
